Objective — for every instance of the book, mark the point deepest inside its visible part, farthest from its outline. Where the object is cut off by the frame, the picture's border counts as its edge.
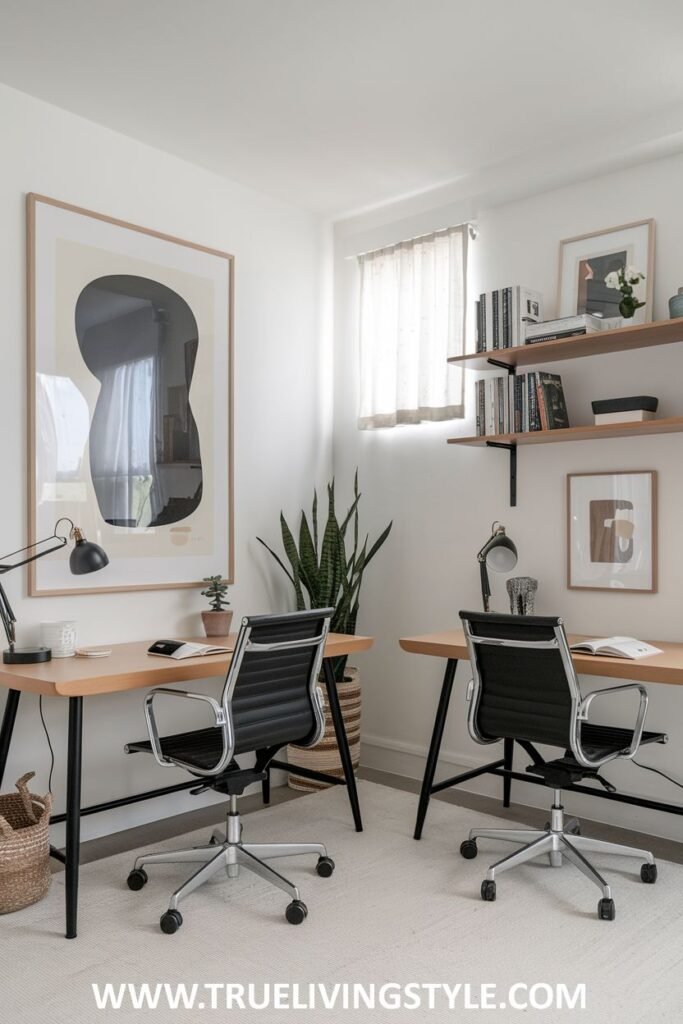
(616, 647)
(636, 416)
(585, 322)
(551, 399)
(629, 404)
(557, 335)
(502, 316)
(181, 649)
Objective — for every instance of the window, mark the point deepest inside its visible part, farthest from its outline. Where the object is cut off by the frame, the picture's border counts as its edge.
(412, 317)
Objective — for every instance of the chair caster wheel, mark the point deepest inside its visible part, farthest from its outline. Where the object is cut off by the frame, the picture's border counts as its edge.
(296, 912)
(137, 879)
(170, 921)
(488, 891)
(468, 849)
(325, 866)
(648, 873)
(213, 841)
(606, 910)
(575, 830)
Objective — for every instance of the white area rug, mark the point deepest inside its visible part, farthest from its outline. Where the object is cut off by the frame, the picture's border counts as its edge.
(395, 910)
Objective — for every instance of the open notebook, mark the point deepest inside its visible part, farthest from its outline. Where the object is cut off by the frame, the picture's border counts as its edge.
(617, 647)
(180, 649)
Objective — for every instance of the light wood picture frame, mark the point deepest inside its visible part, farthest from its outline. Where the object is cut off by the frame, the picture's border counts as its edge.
(130, 400)
(580, 285)
(612, 531)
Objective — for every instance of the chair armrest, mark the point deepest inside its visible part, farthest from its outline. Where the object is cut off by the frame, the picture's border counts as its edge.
(220, 720)
(584, 707)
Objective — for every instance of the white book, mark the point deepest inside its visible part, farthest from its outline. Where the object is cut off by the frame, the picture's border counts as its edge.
(628, 416)
(617, 647)
(181, 649)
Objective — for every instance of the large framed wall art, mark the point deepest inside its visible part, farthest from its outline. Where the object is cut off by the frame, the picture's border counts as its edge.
(130, 399)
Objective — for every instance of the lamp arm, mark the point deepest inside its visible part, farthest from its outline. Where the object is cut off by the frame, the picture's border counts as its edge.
(4, 567)
(485, 584)
(7, 617)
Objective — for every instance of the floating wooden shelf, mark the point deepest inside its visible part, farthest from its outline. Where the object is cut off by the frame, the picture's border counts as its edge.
(668, 425)
(622, 339)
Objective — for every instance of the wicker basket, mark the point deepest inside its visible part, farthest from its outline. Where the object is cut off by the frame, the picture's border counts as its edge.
(324, 756)
(24, 847)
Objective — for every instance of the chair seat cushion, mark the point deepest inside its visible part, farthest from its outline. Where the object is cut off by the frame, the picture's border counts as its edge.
(600, 740)
(201, 747)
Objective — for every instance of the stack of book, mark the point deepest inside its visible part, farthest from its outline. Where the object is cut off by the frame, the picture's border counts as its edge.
(565, 327)
(636, 409)
(503, 315)
(520, 403)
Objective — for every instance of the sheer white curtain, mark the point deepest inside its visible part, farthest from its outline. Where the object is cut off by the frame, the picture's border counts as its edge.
(412, 317)
(122, 443)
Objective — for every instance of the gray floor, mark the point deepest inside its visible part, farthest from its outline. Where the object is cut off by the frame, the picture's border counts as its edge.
(207, 817)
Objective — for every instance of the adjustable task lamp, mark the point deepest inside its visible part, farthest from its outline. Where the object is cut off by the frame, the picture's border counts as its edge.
(85, 557)
(499, 554)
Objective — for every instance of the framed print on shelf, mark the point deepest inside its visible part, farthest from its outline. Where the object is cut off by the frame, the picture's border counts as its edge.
(612, 531)
(130, 400)
(586, 260)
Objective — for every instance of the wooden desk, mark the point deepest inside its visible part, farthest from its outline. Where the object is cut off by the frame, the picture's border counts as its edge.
(666, 668)
(130, 667)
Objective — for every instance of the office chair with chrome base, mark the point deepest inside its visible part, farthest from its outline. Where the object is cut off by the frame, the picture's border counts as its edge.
(270, 698)
(524, 687)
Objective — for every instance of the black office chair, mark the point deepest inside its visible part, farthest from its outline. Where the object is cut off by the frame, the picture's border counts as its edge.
(524, 687)
(270, 698)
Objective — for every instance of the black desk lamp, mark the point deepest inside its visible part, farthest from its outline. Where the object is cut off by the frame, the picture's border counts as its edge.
(85, 557)
(498, 553)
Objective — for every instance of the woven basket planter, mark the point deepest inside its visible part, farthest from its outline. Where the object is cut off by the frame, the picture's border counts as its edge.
(324, 756)
(24, 847)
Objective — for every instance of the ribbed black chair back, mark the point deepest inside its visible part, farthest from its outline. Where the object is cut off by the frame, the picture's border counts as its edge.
(522, 692)
(271, 692)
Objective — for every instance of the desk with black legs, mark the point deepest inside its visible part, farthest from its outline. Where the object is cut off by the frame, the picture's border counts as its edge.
(130, 667)
(666, 667)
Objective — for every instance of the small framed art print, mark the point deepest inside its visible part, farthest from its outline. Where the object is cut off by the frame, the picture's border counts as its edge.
(586, 260)
(612, 531)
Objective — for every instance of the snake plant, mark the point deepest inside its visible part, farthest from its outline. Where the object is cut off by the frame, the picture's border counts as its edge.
(321, 570)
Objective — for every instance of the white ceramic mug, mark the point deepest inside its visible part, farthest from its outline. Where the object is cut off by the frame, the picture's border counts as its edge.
(60, 637)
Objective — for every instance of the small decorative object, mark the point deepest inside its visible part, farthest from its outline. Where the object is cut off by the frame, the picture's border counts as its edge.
(498, 553)
(130, 398)
(612, 531)
(586, 261)
(522, 593)
(624, 280)
(676, 305)
(331, 578)
(60, 637)
(24, 847)
(216, 620)
(635, 409)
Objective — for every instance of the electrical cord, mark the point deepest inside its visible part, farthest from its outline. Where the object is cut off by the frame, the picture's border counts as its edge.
(649, 768)
(49, 742)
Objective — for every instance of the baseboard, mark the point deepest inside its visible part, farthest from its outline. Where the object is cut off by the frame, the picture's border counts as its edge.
(398, 757)
(385, 754)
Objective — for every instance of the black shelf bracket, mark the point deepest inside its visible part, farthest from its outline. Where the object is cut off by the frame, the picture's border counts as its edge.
(512, 448)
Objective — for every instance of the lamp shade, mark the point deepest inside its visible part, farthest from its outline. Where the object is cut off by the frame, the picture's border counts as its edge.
(502, 554)
(87, 557)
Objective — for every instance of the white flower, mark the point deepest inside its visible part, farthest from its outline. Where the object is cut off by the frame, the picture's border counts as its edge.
(633, 275)
(612, 280)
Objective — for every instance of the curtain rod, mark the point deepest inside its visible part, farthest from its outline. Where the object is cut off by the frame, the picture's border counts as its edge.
(472, 227)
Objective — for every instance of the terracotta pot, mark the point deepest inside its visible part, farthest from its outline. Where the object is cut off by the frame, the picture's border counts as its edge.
(324, 757)
(217, 623)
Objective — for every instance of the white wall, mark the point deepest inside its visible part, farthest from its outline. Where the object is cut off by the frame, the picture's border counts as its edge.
(282, 407)
(444, 498)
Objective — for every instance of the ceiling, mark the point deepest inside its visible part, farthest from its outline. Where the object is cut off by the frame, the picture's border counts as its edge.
(342, 105)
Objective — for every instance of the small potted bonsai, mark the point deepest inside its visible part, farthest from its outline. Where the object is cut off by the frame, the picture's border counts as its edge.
(217, 618)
